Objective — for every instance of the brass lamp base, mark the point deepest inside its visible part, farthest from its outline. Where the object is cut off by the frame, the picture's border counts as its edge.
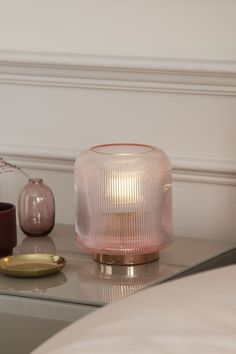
(126, 259)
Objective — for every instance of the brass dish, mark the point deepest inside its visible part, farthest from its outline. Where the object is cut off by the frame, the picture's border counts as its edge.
(31, 265)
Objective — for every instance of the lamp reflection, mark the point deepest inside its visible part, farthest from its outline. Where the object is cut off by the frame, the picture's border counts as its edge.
(38, 245)
(122, 281)
(108, 283)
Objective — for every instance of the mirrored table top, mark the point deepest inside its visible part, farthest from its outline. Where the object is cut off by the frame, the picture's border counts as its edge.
(85, 281)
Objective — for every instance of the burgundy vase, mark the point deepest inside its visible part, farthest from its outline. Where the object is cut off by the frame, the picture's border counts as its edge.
(8, 236)
(36, 208)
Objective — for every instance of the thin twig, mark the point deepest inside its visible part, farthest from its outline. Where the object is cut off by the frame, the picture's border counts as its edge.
(6, 166)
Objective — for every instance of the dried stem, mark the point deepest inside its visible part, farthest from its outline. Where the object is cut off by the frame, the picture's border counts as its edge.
(6, 166)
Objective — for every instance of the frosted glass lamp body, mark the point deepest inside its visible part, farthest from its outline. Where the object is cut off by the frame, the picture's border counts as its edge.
(123, 200)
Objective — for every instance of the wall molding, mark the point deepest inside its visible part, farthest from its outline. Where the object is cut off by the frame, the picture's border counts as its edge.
(119, 73)
(195, 169)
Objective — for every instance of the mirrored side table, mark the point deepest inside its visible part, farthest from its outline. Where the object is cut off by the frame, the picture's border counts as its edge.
(46, 305)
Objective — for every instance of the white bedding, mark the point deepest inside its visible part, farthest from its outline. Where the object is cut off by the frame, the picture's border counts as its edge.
(196, 314)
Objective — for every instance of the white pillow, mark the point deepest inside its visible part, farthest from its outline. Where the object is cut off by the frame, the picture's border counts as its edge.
(196, 314)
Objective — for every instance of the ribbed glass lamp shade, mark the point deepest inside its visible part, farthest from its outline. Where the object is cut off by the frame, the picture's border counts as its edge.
(123, 202)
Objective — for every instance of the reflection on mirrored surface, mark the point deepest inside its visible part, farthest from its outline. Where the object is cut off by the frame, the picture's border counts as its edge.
(35, 285)
(90, 283)
(112, 283)
(38, 245)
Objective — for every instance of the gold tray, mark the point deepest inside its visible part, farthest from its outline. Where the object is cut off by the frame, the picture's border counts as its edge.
(31, 265)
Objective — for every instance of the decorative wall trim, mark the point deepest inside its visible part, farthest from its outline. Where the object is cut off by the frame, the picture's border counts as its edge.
(185, 168)
(119, 73)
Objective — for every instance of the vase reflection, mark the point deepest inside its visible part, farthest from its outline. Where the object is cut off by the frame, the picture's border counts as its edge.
(38, 245)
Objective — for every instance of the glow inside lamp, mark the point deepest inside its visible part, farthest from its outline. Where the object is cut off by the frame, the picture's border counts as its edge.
(123, 203)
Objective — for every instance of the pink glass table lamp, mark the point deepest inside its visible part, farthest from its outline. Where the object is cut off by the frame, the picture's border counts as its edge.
(123, 203)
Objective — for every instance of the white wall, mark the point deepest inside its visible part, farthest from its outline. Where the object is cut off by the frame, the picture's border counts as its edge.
(203, 29)
(78, 73)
